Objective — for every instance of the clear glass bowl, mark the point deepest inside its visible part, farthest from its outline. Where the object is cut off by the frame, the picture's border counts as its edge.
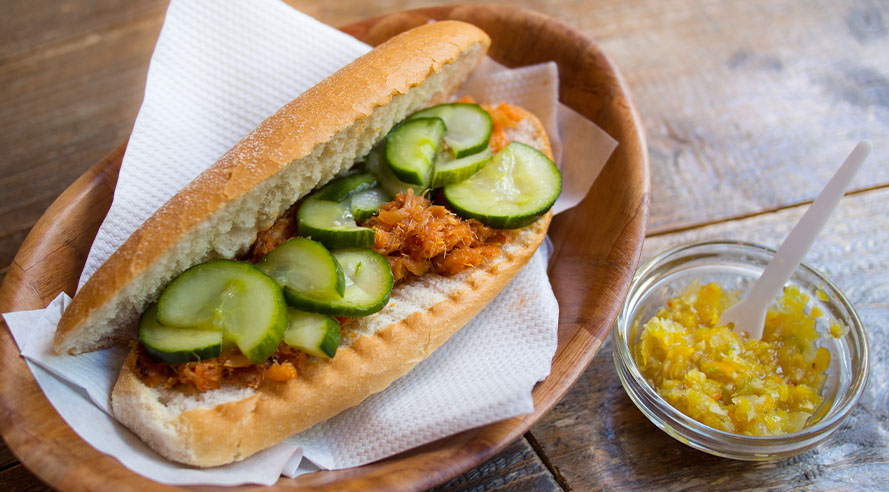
(736, 265)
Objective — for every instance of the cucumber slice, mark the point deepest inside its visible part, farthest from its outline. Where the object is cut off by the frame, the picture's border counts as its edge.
(411, 148)
(332, 224)
(314, 334)
(175, 345)
(519, 185)
(368, 284)
(235, 298)
(468, 126)
(342, 188)
(449, 171)
(376, 163)
(306, 271)
(366, 203)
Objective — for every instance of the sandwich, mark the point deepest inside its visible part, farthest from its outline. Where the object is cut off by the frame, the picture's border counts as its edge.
(321, 258)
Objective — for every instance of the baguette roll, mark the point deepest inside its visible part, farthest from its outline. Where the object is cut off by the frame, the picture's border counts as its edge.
(302, 146)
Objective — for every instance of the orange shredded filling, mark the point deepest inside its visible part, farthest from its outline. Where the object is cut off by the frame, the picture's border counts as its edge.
(284, 228)
(230, 367)
(418, 237)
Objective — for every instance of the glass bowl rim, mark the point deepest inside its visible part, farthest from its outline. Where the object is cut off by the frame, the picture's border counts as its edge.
(677, 419)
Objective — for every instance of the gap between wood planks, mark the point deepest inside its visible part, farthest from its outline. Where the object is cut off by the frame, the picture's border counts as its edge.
(553, 470)
(723, 220)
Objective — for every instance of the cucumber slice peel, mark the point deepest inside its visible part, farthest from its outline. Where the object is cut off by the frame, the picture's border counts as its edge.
(375, 162)
(341, 188)
(411, 147)
(314, 334)
(234, 298)
(368, 284)
(468, 125)
(366, 203)
(519, 185)
(448, 171)
(175, 345)
(332, 224)
(306, 271)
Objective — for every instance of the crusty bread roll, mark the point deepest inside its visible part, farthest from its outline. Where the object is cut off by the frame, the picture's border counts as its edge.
(225, 425)
(303, 145)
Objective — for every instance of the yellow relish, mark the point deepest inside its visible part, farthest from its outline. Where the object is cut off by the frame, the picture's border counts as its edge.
(707, 371)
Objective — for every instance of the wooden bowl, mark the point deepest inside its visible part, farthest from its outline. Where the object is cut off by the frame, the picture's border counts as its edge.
(597, 247)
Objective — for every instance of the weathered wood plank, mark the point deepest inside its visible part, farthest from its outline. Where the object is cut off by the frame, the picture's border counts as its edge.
(44, 25)
(18, 479)
(60, 115)
(749, 106)
(7, 459)
(597, 438)
(517, 468)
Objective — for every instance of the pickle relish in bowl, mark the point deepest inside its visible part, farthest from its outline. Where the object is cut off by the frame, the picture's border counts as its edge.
(720, 378)
(717, 391)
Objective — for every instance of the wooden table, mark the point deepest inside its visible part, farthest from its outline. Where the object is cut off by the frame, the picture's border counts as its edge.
(749, 107)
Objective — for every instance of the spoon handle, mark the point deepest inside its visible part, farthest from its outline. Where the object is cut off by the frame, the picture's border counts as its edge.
(803, 234)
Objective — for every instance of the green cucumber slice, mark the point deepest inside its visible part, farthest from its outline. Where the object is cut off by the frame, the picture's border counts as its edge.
(519, 185)
(366, 203)
(175, 345)
(449, 171)
(411, 148)
(246, 305)
(346, 186)
(368, 284)
(306, 271)
(332, 223)
(468, 126)
(314, 334)
(376, 163)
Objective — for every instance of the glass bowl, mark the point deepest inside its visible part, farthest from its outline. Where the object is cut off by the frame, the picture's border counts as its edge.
(736, 265)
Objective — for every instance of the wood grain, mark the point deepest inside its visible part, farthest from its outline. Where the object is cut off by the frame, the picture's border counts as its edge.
(517, 468)
(61, 136)
(44, 25)
(54, 251)
(754, 103)
(597, 439)
(19, 479)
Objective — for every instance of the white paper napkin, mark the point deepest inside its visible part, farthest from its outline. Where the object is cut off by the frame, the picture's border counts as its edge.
(215, 74)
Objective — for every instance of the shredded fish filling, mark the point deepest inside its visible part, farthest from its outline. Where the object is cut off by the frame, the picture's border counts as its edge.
(418, 237)
(231, 367)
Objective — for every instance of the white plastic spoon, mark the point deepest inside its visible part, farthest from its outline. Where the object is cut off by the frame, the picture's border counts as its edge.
(749, 314)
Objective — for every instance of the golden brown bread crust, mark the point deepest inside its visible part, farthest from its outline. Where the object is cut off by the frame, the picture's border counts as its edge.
(105, 308)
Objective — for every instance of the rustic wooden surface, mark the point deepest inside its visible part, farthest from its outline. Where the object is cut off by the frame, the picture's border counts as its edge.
(748, 105)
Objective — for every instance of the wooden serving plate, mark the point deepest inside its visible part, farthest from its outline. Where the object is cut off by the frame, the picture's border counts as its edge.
(597, 247)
